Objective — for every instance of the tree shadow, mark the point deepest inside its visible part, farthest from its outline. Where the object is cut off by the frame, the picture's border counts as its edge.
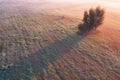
(52, 52)
(36, 63)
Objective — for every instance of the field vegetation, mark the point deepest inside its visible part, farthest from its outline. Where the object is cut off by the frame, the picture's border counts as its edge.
(38, 41)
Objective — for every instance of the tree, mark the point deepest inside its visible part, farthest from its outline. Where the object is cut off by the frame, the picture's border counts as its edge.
(86, 17)
(92, 19)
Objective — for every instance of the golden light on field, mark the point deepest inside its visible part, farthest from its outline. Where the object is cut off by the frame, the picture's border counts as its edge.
(103, 2)
(39, 40)
(106, 3)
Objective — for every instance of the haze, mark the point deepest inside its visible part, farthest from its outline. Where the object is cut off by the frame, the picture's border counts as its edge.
(39, 40)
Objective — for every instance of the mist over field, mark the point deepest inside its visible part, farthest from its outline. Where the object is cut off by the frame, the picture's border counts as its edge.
(39, 40)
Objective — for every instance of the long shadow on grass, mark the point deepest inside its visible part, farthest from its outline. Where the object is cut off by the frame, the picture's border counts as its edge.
(49, 54)
(38, 62)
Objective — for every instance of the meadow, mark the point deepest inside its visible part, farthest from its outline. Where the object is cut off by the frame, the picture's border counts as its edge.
(39, 41)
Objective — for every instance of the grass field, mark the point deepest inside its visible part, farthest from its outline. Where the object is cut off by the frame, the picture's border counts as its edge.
(39, 41)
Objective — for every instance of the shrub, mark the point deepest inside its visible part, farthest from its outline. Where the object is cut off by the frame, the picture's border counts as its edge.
(92, 19)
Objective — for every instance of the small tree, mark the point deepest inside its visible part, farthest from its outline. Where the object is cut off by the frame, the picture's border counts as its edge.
(92, 19)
